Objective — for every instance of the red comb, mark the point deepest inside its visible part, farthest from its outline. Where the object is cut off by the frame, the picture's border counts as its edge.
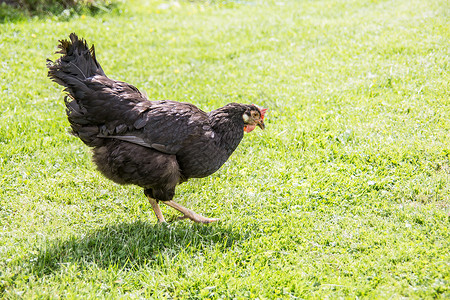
(263, 112)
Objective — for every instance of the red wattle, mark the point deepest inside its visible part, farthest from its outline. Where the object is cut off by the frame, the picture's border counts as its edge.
(249, 128)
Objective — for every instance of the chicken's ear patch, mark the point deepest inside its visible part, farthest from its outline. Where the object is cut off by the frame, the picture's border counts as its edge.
(245, 117)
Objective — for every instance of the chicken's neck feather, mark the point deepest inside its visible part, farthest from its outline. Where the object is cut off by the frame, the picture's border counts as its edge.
(228, 124)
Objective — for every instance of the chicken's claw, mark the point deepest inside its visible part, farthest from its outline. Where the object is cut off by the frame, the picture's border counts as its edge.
(199, 219)
(189, 214)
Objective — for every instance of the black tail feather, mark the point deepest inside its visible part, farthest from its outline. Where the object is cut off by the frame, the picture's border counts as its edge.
(73, 70)
(77, 63)
(95, 103)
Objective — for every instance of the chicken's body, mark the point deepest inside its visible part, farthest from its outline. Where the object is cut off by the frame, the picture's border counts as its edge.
(152, 144)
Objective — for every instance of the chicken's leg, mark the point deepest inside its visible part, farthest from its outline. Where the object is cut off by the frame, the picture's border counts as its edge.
(157, 210)
(187, 213)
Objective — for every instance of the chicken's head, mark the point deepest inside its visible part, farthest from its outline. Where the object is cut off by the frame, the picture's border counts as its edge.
(254, 116)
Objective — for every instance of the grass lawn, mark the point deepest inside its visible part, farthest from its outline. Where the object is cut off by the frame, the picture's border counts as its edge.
(346, 193)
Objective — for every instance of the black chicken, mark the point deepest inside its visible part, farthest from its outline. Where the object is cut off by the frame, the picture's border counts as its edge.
(152, 144)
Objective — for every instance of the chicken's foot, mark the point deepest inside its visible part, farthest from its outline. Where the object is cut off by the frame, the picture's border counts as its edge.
(189, 214)
(157, 210)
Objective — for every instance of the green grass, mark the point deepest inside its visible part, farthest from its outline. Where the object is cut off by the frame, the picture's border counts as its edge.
(345, 194)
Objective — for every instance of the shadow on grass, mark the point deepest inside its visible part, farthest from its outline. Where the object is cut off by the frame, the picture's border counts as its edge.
(131, 244)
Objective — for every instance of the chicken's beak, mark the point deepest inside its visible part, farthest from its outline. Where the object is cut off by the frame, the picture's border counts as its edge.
(261, 125)
(261, 121)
